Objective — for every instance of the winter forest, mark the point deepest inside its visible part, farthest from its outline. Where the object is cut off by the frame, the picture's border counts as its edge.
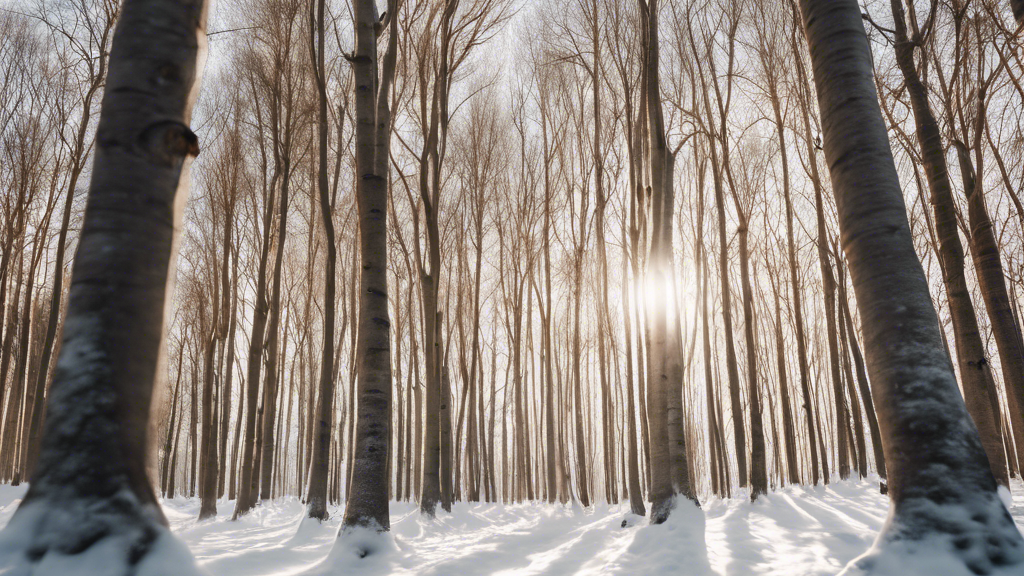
(511, 287)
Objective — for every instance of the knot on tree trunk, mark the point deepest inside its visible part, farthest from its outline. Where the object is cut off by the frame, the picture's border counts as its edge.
(169, 141)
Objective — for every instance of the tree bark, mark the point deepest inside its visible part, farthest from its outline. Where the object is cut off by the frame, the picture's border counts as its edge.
(92, 479)
(668, 444)
(940, 483)
(367, 503)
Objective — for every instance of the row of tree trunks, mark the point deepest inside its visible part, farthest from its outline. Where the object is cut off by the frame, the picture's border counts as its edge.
(975, 371)
(206, 384)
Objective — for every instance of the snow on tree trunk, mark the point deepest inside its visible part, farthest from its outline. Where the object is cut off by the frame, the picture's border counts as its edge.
(945, 507)
(91, 507)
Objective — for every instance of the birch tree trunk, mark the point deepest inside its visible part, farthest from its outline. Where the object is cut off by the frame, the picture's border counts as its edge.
(367, 503)
(668, 444)
(942, 489)
(92, 482)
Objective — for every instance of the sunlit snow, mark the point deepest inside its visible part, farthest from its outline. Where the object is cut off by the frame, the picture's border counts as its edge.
(798, 531)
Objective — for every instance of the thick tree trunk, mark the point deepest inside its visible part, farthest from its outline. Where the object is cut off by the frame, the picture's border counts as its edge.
(673, 353)
(92, 479)
(78, 160)
(939, 480)
(668, 443)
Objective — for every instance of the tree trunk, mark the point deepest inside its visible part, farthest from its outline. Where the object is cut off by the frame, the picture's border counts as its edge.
(171, 427)
(367, 503)
(845, 337)
(229, 366)
(739, 430)
(758, 461)
(668, 444)
(829, 296)
(940, 483)
(792, 465)
(788, 429)
(801, 339)
(246, 489)
(636, 495)
(445, 431)
(193, 430)
(316, 491)
(992, 279)
(862, 384)
(92, 482)
(208, 480)
(272, 351)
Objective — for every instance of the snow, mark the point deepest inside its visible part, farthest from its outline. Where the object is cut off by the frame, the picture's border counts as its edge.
(118, 553)
(798, 531)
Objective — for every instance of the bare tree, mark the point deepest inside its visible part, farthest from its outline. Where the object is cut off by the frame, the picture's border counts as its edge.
(367, 503)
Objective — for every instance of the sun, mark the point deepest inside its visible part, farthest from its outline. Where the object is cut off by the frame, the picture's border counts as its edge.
(659, 294)
(670, 295)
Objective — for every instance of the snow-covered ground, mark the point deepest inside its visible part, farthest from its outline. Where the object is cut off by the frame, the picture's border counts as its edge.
(797, 531)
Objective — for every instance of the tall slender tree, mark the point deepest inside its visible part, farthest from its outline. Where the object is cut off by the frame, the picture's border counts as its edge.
(975, 370)
(367, 503)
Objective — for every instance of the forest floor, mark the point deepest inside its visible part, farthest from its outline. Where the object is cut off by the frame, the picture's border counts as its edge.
(797, 531)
